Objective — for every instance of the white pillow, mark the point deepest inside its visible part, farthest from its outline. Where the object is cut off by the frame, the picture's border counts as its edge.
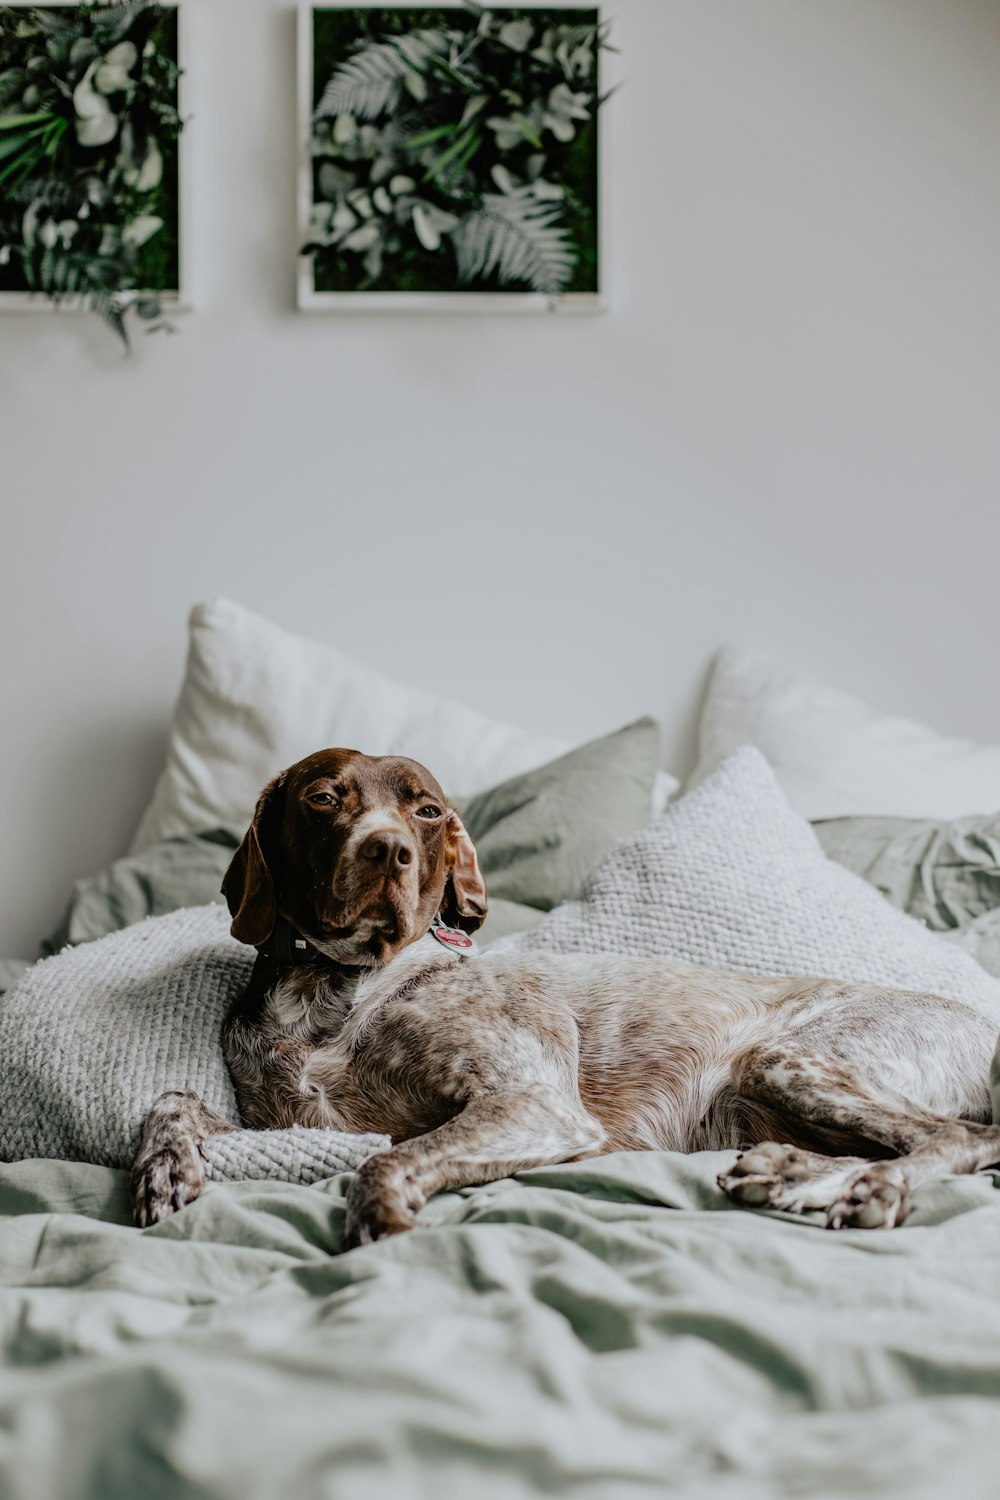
(256, 699)
(835, 756)
(731, 878)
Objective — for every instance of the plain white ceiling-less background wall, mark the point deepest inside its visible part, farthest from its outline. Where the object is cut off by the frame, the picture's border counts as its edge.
(785, 430)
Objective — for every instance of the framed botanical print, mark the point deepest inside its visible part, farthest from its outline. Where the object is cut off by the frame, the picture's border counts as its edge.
(91, 159)
(452, 157)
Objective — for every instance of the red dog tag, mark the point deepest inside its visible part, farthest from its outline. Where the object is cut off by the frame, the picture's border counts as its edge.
(452, 937)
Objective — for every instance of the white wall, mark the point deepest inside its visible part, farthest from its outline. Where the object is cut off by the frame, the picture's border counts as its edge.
(785, 430)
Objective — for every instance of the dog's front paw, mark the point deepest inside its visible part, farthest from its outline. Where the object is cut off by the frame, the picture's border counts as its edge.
(165, 1180)
(379, 1203)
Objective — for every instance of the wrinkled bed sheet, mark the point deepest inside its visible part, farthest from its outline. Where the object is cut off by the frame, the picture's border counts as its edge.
(601, 1330)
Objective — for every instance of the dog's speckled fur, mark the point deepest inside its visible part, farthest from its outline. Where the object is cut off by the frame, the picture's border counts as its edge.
(479, 1067)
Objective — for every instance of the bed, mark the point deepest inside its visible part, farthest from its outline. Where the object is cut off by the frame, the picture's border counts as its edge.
(599, 1330)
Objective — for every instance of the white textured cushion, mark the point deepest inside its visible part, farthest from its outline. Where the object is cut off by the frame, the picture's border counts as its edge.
(835, 756)
(731, 877)
(256, 699)
(89, 1038)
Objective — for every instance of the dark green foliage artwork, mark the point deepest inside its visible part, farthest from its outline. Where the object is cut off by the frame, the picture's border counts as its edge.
(455, 149)
(89, 126)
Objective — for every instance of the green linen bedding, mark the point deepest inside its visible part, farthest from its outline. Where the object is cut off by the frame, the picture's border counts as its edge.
(947, 874)
(980, 939)
(604, 1330)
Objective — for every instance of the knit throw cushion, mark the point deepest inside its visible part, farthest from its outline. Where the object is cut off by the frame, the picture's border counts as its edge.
(732, 878)
(89, 1038)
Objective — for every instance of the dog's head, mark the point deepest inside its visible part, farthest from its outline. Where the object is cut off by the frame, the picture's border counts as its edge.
(359, 853)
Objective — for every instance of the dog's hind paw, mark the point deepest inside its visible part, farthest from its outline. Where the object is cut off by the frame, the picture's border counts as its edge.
(773, 1175)
(876, 1198)
(768, 1173)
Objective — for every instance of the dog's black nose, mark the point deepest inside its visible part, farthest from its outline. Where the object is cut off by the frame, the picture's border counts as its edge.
(391, 852)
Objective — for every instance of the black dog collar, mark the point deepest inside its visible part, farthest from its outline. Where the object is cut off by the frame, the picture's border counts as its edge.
(287, 949)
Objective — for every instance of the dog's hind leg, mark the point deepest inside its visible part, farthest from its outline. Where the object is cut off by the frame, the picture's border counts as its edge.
(168, 1171)
(821, 1102)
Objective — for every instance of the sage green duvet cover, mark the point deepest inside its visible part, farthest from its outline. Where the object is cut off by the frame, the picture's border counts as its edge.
(604, 1330)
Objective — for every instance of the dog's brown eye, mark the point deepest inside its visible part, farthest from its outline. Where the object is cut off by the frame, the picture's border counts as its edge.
(322, 799)
(430, 812)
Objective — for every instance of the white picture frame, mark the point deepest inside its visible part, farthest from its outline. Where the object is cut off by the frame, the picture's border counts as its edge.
(308, 299)
(173, 300)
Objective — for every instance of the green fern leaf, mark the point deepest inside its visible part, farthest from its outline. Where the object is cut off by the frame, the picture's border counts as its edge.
(112, 22)
(370, 83)
(112, 309)
(47, 273)
(517, 238)
(12, 85)
(53, 22)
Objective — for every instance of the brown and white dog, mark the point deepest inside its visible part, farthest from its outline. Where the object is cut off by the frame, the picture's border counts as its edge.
(843, 1097)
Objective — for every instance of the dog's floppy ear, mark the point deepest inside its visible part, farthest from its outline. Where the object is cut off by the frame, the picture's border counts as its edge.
(248, 884)
(464, 902)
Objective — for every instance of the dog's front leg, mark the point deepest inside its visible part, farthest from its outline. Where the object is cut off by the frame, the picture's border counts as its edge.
(168, 1171)
(494, 1135)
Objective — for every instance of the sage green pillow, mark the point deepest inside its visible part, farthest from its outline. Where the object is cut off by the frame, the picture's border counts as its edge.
(165, 876)
(504, 918)
(539, 835)
(980, 939)
(11, 970)
(946, 874)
